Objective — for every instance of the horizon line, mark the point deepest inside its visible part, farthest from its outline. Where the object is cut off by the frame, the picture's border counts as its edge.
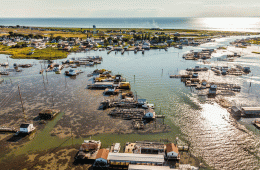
(125, 17)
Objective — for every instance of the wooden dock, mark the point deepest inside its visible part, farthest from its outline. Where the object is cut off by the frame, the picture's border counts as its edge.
(7, 129)
(128, 113)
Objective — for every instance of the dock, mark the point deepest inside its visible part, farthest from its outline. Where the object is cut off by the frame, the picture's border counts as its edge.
(7, 129)
(129, 114)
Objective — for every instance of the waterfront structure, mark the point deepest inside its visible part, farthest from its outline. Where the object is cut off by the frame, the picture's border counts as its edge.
(172, 151)
(132, 158)
(26, 128)
(143, 147)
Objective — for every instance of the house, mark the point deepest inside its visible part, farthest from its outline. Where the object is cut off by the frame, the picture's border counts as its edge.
(101, 160)
(172, 151)
(26, 128)
(119, 37)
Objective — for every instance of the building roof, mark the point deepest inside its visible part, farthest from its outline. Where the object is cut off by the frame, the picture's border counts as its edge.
(25, 125)
(89, 146)
(130, 157)
(147, 167)
(251, 108)
(102, 153)
(172, 147)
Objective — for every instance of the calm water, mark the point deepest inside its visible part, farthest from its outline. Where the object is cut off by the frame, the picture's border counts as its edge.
(227, 24)
(213, 133)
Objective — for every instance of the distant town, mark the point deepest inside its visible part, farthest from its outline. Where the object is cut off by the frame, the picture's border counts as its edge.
(44, 43)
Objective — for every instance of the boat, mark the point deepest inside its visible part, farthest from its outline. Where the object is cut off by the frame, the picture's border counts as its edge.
(71, 73)
(115, 148)
(48, 114)
(58, 72)
(124, 85)
(5, 64)
(148, 105)
(4, 73)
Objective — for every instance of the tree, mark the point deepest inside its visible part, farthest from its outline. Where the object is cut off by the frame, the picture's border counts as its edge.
(176, 39)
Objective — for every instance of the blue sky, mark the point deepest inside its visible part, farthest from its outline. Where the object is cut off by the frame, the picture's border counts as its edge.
(128, 8)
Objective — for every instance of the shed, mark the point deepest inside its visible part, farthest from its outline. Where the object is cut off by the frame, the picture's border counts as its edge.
(26, 128)
(172, 151)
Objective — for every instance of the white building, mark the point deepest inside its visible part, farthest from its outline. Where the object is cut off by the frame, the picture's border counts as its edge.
(26, 128)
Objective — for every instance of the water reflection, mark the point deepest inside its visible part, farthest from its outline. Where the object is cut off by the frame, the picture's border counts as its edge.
(230, 23)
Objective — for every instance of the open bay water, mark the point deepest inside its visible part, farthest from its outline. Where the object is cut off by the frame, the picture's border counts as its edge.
(222, 141)
(251, 24)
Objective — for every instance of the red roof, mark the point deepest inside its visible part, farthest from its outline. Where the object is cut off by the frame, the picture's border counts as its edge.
(172, 147)
(102, 153)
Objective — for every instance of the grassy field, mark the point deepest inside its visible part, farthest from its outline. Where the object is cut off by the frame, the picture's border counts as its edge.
(23, 53)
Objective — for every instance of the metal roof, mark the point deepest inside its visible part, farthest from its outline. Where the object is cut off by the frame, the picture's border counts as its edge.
(251, 108)
(146, 167)
(132, 158)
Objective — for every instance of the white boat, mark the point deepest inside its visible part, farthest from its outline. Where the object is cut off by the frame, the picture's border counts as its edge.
(5, 64)
(115, 148)
(71, 73)
(147, 105)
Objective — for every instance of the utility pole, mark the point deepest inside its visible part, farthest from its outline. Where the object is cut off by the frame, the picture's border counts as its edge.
(21, 102)
(52, 101)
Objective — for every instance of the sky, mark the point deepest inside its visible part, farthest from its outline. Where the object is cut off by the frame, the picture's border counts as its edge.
(128, 8)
